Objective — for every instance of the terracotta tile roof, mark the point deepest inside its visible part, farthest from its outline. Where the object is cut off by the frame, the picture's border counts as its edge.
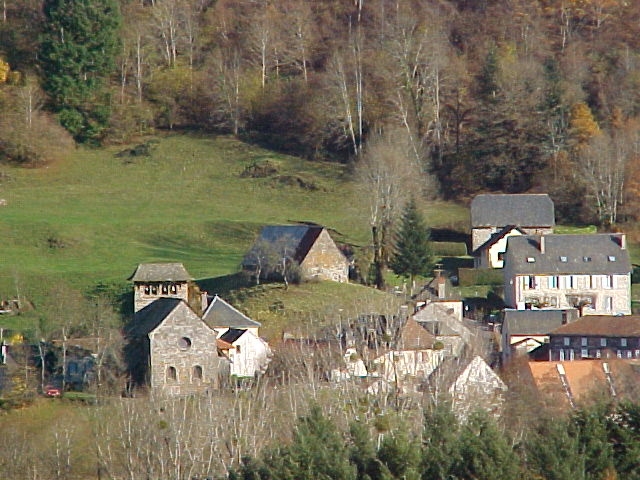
(585, 379)
(222, 345)
(602, 326)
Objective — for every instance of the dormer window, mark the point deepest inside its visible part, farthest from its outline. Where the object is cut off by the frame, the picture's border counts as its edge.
(563, 259)
(586, 259)
(531, 259)
(611, 258)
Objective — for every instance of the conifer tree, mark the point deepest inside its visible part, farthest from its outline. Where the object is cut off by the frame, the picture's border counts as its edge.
(412, 254)
(77, 55)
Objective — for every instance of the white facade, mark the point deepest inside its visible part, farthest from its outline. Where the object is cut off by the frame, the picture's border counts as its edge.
(249, 355)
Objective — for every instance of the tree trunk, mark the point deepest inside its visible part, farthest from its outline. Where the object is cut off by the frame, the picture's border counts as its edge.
(378, 261)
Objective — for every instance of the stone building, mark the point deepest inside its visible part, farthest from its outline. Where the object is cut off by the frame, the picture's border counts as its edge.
(171, 349)
(311, 247)
(533, 214)
(589, 272)
(159, 280)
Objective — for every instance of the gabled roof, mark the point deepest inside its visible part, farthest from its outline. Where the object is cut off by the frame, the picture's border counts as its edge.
(160, 272)
(148, 319)
(221, 314)
(525, 210)
(232, 335)
(602, 326)
(567, 254)
(296, 239)
(415, 337)
(536, 322)
(478, 373)
(496, 237)
(569, 382)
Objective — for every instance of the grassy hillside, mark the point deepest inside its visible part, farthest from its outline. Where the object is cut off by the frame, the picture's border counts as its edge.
(93, 217)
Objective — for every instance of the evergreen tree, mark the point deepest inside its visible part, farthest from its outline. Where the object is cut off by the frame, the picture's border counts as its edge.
(412, 249)
(77, 56)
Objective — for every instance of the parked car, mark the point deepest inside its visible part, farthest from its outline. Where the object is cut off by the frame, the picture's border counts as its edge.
(52, 391)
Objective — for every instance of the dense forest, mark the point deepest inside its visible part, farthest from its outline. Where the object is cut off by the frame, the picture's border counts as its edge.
(484, 95)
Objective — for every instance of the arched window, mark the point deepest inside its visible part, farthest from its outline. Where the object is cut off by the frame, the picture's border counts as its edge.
(173, 289)
(197, 372)
(172, 374)
(165, 288)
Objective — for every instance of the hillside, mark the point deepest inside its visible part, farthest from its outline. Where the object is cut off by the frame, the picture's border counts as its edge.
(94, 216)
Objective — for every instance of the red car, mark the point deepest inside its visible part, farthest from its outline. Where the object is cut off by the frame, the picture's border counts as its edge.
(51, 391)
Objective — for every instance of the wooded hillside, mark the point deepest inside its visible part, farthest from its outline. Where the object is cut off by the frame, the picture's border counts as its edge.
(485, 95)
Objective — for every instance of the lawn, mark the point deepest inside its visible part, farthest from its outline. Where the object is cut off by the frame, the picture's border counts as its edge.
(94, 216)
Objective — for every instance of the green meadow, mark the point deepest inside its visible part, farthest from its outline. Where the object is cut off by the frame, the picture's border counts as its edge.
(93, 217)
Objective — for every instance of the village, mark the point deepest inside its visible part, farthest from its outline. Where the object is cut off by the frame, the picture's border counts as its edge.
(567, 326)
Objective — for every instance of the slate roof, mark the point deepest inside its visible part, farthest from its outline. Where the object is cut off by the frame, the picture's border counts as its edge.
(160, 272)
(567, 254)
(221, 314)
(525, 210)
(415, 337)
(148, 319)
(295, 238)
(602, 326)
(495, 238)
(232, 335)
(535, 322)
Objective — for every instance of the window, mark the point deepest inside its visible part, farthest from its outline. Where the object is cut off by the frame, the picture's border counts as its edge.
(165, 288)
(583, 341)
(532, 282)
(500, 256)
(563, 259)
(611, 258)
(607, 281)
(531, 259)
(586, 259)
(147, 290)
(197, 372)
(172, 374)
(573, 281)
(237, 348)
(619, 354)
(553, 281)
(173, 289)
(566, 341)
(184, 343)
(629, 354)
(154, 289)
(584, 353)
(598, 354)
(637, 353)
(623, 342)
(608, 304)
(603, 342)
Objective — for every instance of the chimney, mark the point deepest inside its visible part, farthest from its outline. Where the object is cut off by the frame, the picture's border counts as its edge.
(441, 282)
(622, 240)
(542, 243)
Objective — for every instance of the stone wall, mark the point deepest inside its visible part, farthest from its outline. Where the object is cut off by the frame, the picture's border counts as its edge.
(325, 261)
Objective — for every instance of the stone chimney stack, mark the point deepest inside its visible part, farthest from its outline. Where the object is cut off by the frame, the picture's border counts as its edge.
(441, 283)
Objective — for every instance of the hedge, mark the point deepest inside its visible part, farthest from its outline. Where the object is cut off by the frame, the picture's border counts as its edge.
(480, 276)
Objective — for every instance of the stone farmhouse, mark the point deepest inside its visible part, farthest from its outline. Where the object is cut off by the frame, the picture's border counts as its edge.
(311, 247)
(589, 272)
(533, 214)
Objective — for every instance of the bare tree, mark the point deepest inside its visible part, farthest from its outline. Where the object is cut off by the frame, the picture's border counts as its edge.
(388, 175)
